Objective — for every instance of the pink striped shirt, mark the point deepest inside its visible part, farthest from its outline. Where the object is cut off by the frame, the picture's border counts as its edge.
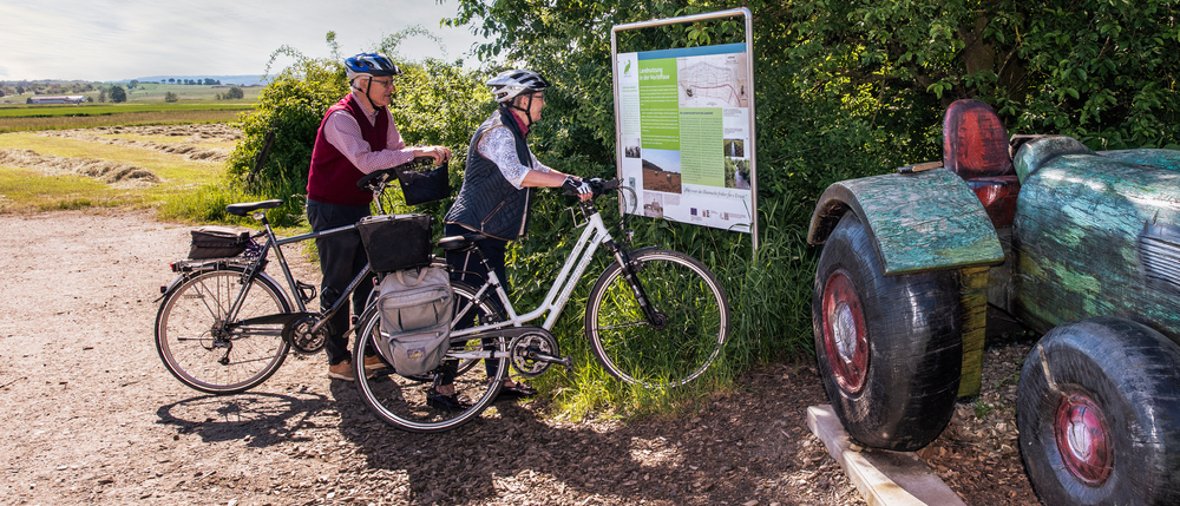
(343, 133)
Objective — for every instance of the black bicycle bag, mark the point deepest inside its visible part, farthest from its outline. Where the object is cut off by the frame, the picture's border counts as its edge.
(217, 242)
(396, 242)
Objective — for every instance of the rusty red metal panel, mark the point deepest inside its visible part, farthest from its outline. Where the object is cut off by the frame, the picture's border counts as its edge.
(998, 195)
(974, 142)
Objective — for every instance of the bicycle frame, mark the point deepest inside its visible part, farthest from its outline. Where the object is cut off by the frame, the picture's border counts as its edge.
(594, 235)
(254, 269)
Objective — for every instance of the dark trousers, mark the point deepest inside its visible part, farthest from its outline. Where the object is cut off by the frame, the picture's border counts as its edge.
(342, 256)
(465, 266)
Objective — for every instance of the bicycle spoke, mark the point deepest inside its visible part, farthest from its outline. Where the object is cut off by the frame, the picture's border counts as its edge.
(194, 310)
(624, 325)
(693, 311)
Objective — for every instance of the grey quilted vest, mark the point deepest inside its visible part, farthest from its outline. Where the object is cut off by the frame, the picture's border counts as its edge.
(488, 203)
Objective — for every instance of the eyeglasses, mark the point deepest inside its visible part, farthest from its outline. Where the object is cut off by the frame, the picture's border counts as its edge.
(382, 82)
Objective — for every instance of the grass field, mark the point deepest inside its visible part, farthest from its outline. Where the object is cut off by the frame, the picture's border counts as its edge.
(22, 118)
(26, 190)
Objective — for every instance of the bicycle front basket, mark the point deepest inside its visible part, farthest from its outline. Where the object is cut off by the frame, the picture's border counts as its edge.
(217, 242)
(396, 242)
(422, 183)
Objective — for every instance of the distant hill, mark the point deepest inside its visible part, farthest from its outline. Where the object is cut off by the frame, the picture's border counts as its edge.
(238, 80)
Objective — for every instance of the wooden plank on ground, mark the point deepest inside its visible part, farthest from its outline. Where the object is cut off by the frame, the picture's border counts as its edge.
(883, 477)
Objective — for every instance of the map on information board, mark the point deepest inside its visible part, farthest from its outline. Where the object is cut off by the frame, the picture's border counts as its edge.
(684, 121)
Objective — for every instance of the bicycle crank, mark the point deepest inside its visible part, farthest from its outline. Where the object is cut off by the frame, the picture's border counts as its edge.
(298, 333)
(533, 352)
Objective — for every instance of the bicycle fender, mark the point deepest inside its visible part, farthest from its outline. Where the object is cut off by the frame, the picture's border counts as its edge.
(193, 270)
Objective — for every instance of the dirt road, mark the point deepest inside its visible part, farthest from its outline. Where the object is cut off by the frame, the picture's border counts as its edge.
(90, 415)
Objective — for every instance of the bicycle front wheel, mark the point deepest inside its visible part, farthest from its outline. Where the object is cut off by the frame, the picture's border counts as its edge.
(207, 355)
(677, 339)
(403, 401)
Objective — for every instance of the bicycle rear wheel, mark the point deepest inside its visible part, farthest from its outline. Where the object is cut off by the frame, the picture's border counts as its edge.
(692, 321)
(401, 401)
(200, 353)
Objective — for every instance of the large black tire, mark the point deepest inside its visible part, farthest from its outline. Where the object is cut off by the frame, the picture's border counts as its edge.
(1099, 415)
(889, 348)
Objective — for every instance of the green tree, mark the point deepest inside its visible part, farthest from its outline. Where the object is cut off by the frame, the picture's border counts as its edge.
(118, 94)
(843, 89)
(233, 93)
(170, 97)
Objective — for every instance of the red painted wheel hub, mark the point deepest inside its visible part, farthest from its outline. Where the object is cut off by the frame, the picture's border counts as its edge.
(845, 338)
(1084, 439)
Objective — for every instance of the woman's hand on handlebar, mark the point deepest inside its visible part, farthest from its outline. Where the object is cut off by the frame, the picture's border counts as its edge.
(586, 189)
(574, 185)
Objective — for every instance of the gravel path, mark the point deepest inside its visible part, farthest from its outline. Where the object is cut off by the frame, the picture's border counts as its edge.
(90, 414)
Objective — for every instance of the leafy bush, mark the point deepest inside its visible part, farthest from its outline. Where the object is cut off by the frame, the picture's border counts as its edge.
(233, 93)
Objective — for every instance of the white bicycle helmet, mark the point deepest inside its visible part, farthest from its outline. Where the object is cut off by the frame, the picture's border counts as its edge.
(512, 83)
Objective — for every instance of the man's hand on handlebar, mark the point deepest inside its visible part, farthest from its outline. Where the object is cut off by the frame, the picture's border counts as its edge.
(440, 154)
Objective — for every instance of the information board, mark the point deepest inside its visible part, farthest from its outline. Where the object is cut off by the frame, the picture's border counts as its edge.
(684, 127)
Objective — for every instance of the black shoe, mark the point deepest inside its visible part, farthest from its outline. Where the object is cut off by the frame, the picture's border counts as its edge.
(516, 391)
(446, 402)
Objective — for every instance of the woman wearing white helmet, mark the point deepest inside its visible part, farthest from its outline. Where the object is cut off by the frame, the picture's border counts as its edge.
(494, 199)
(357, 136)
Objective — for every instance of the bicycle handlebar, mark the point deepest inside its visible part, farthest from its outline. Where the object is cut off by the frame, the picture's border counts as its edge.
(597, 185)
(376, 179)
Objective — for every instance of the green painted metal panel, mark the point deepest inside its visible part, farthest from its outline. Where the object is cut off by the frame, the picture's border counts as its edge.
(929, 220)
(1084, 240)
(1167, 159)
(1036, 153)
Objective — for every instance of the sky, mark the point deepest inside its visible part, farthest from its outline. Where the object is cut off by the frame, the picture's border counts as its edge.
(104, 40)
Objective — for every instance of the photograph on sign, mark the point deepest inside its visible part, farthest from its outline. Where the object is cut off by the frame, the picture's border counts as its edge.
(684, 125)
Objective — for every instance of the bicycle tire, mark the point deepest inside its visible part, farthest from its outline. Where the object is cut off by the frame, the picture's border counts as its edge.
(637, 352)
(186, 320)
(400, 401)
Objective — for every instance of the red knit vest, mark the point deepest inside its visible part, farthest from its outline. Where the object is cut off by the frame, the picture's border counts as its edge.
(332, 178)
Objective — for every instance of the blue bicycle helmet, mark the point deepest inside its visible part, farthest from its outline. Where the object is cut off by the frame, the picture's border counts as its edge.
(369, 64)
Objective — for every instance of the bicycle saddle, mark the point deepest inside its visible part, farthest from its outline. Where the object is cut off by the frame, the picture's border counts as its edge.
(460, 242)
(245, 208)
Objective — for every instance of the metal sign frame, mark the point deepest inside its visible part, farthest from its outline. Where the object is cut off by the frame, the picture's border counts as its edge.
(749, 19)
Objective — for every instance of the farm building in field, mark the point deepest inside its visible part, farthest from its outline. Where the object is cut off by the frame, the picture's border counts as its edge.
(57, 99)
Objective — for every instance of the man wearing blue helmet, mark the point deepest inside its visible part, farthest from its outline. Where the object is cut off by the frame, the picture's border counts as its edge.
(357, 136)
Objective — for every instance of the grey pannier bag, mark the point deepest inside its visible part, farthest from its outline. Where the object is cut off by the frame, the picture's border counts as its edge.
(415, 307)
